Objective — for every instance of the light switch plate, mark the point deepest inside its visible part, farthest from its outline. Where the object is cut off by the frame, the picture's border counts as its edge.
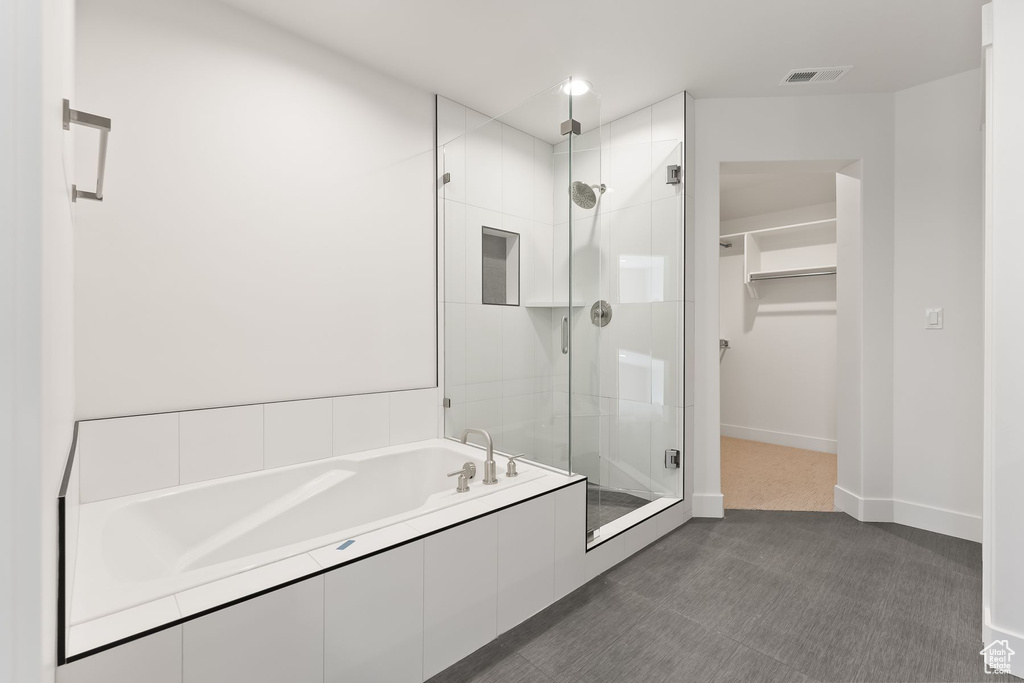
(933, 318)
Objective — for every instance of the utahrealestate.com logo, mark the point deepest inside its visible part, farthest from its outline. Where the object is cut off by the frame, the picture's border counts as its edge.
(997, 656)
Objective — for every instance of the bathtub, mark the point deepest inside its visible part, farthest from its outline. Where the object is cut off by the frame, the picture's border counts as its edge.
(140, 548)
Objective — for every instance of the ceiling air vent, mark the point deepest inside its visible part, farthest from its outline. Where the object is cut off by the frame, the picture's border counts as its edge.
(819, 74)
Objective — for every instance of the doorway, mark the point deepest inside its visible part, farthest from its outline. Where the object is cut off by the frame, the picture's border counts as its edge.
(778, 273)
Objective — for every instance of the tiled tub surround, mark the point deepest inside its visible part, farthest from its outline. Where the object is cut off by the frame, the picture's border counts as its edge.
(123, 456)
(152, 559)
(126, 455)
(137, 549)
(470, 573)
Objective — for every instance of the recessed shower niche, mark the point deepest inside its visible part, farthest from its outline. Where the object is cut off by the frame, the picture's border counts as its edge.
(500, 258)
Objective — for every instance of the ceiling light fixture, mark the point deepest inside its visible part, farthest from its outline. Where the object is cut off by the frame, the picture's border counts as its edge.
(576, 86)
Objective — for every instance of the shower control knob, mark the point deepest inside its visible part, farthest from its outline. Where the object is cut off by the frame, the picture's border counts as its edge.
(601, 313)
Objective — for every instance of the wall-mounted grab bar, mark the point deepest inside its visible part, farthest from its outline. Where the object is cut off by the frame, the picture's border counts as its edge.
(101, 124)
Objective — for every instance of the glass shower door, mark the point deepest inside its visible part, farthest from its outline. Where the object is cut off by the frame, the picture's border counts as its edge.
(627, 316)
(583, 198)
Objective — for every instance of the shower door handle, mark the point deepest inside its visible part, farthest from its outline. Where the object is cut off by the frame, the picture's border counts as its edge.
(565, 334)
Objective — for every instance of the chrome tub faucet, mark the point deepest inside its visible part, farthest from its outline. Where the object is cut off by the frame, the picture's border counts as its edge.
(490, 470)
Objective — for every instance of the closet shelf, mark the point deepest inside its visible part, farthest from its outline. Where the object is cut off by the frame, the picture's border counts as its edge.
(783, 273)
(787, 251)
(792, 227)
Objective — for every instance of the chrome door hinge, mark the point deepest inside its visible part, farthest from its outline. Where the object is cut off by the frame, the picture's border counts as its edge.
(571, 126)
(674, 176)
(672, 458)
(446, 403)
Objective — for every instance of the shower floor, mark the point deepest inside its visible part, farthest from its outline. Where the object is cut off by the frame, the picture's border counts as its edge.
(607, 505)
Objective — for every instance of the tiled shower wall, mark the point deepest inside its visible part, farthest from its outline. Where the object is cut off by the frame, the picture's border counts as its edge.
(498, 360)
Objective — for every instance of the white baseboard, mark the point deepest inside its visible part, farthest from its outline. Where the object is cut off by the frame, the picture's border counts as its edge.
(925, 517)
(1014, 640)
(810, 443)
(708, 505)
(846, 501)
(938, 520)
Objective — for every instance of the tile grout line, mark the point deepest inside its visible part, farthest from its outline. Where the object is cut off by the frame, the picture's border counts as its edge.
(177, 419)
(765, 654)
(423, 609)
(323, 631)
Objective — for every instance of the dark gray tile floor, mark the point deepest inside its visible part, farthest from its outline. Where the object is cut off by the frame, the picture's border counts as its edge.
(760, 597)
(605, 506)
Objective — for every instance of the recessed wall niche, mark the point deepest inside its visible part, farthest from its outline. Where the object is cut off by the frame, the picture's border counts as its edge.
(500, 252)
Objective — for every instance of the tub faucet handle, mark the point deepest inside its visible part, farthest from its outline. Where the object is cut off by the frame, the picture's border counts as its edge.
(510, 469)
(467, 472)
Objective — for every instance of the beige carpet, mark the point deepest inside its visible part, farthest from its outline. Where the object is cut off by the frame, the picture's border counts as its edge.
(763, 476)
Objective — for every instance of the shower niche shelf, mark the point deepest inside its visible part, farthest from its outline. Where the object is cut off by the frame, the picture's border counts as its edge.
(553, 304)
(785, 252)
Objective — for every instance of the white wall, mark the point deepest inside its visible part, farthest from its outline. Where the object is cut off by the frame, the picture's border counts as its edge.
(20, 302)
(778, 377)
(917, 175)
(1004, 519)
(805, 128)
(36, 409)
(937, 374)
(267, 227)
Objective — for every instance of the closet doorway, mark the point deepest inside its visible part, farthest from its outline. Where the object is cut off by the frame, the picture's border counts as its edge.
(778, 271)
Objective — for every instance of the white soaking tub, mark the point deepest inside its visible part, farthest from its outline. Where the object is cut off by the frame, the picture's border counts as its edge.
(140, 548)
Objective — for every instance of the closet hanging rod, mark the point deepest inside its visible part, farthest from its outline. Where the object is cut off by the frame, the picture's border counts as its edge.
(782, 276)
(102, 124)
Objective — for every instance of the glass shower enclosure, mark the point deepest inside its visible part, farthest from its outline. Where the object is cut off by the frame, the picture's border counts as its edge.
(560, 286)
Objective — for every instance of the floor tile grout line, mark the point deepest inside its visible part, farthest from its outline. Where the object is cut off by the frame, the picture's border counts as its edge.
(751, 647)
(615, 640)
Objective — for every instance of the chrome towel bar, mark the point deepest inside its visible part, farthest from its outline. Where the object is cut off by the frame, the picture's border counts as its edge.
(101, 124)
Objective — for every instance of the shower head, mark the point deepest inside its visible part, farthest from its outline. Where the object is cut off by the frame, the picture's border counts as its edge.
(583, 195)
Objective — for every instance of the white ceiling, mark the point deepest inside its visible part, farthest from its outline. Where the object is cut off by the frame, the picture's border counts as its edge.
(492, 54)
(742, 195)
